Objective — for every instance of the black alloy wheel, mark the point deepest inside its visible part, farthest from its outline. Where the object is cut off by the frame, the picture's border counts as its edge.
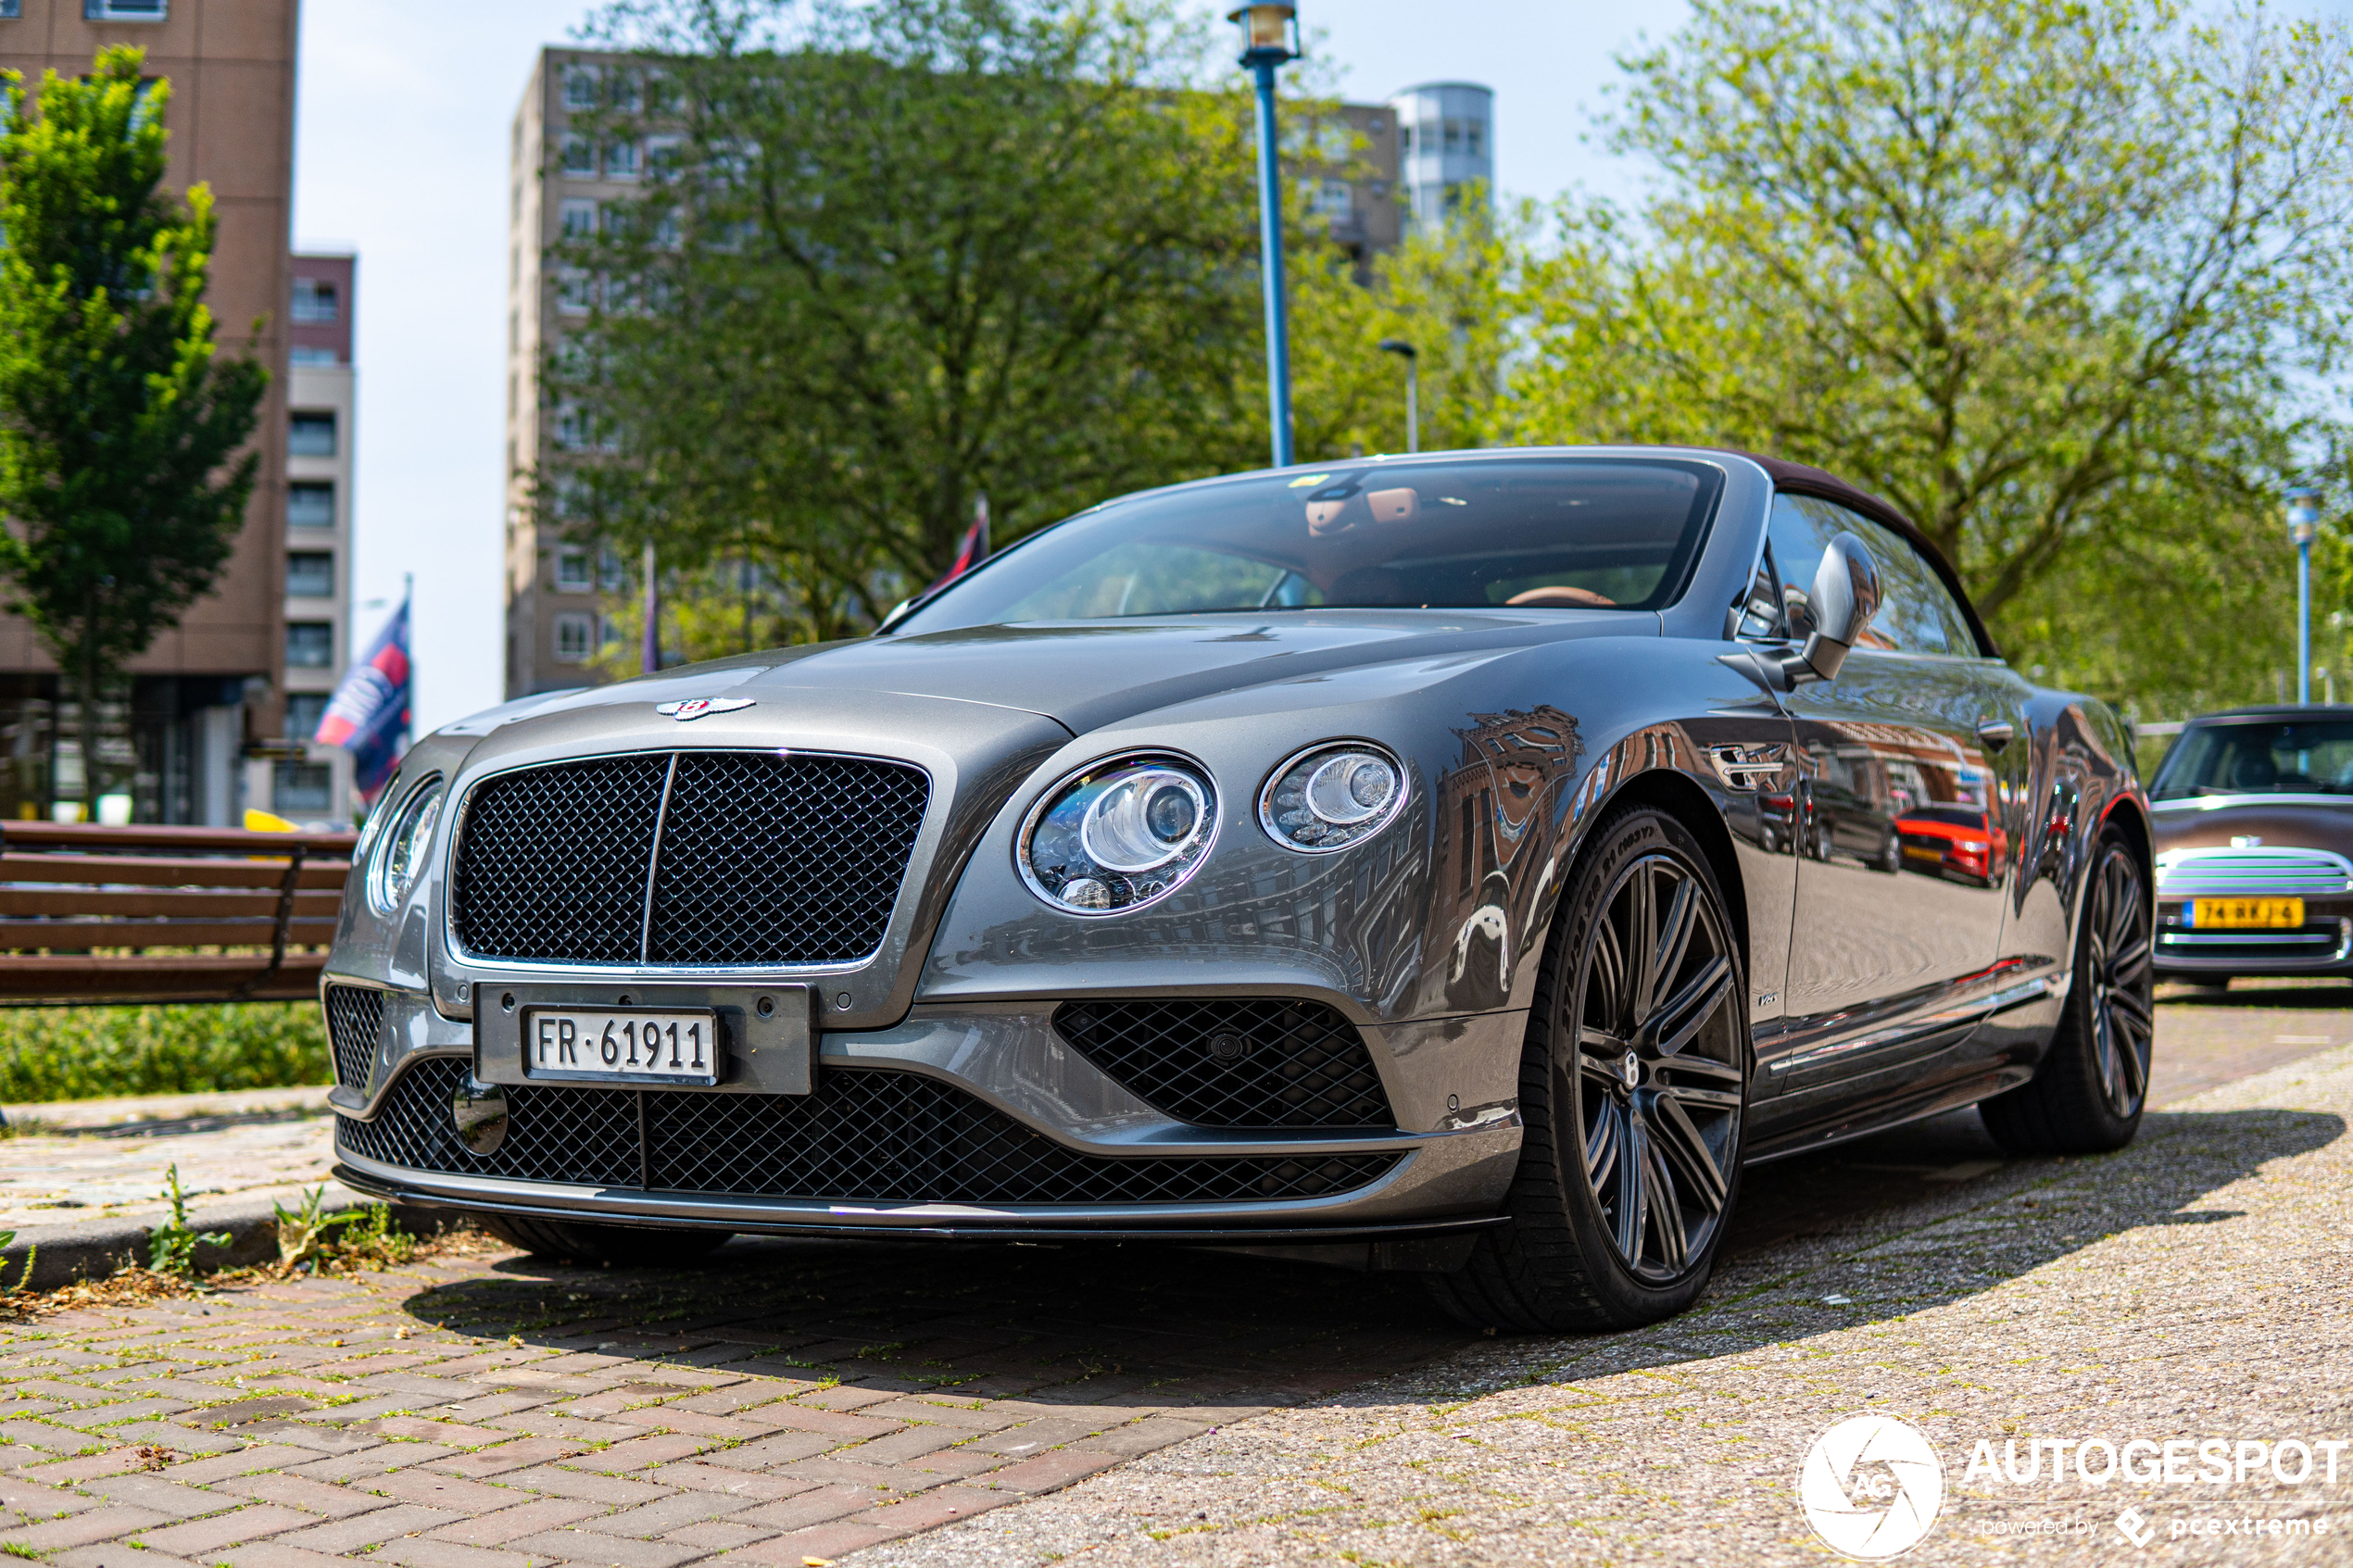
(2093, 1086)
(1633, 1095)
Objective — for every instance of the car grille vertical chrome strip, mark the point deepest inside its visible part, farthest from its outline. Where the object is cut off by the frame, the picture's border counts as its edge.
(653, 862)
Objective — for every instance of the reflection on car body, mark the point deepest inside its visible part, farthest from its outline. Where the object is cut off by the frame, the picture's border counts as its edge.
(1395, 861)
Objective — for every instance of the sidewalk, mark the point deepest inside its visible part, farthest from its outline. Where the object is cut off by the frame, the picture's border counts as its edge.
(73, 1162)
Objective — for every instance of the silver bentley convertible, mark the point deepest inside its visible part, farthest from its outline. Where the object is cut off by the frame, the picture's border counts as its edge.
(1464, 864)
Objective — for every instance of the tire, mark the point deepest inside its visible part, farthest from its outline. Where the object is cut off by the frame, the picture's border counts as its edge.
(619, 1245)
(2088, 1096)
(1585, 1249)
(1891, 859)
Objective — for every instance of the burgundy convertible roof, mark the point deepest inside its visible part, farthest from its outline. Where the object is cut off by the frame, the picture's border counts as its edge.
(1800, 480)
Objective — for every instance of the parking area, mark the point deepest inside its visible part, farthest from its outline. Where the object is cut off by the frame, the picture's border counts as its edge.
(947, 1405)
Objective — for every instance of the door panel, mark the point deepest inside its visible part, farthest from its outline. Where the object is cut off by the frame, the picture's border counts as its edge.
(1891, 936)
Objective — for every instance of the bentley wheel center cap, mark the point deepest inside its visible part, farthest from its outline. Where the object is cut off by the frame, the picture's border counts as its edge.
(1630, 1069)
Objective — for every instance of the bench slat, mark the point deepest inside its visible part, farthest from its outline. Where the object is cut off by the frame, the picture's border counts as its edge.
(76, 935)
(143, 836)
(161, 871)
(37, 982)
(260, 903)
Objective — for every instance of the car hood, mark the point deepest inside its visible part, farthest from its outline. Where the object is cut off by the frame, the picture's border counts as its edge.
(2300, 821)
(1086, 674)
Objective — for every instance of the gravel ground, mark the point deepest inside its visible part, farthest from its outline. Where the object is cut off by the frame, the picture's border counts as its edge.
(2190, 1286)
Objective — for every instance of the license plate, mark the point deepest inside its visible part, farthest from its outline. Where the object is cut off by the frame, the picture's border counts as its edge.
(622, 1045)
(2226, 914)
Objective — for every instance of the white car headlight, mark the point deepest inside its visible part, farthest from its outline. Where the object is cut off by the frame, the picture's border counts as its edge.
(400, 854)
(1118, 835)
(1332, 796)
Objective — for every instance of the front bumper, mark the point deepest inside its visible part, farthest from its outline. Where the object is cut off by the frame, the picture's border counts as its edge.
(2322, 946)
(945, 1126)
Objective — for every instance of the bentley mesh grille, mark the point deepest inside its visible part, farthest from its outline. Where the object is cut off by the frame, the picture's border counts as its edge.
(868, 1136)
(2255, 872)
(355, 1020)
(1219, 1063)
(764, 858)
(552, 861)
(768, 859)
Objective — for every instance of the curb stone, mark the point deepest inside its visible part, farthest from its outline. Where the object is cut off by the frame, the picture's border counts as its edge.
(91, 1250)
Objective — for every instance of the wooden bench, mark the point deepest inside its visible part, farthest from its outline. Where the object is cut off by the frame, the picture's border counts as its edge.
(165, 914)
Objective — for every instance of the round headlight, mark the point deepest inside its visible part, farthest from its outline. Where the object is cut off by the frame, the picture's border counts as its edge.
(400, 852)
(1330, 796)
(1118, 835)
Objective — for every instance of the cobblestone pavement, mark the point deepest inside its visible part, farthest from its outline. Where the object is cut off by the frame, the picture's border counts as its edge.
(794, 1400)
(90, 1159)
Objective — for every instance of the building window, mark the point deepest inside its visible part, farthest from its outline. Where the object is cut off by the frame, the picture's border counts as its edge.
(578, 219)
(612, 573)
(1328, 198)
(573, 293)
(580, 157)
(580, 88)
(312, 435)
(572, 575)
(305, 711)
(310, 505)
(310, 645)
(303, 354)
(621, 161)
(302, 787)
(310, 574)
(123, 10)
(575, 638)
(8, 8)
(314, 301)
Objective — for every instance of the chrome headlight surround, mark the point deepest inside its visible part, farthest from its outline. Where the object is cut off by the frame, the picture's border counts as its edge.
(397, 857)
(1128, 831)
(1308, 806)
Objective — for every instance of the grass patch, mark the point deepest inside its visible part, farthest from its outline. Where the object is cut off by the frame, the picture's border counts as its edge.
(93, 1053)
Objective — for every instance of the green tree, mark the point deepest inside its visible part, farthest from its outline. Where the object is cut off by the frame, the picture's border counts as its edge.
(122, 488)
(2059, 280)
(894, 257)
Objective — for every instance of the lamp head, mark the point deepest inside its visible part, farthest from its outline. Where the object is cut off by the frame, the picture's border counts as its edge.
(2303, 514)
(1399, 345)
(1270, 33)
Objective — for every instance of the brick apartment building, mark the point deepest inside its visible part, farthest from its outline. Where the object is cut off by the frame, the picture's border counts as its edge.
(557, 592)
(209, 690)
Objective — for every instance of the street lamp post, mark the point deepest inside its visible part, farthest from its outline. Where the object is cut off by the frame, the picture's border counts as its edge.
(1412, 356)
(1270, 39)
(2303, 521)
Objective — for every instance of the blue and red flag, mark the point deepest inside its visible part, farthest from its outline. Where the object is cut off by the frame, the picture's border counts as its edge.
(368, 714)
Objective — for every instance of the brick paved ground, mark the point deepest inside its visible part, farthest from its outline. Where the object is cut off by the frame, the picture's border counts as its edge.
(793, 1400)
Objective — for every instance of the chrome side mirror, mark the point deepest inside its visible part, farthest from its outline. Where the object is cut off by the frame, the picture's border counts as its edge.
(1844, 598)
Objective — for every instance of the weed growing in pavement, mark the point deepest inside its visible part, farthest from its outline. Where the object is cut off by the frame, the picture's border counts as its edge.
(171, 1247)
(311, 1241)
(10, 1292)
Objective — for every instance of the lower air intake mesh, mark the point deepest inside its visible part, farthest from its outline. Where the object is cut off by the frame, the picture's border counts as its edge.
(1258, 1063)
(355, 1020)
(870, 1136)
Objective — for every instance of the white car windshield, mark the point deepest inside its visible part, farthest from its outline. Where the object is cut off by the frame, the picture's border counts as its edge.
(1524, 532)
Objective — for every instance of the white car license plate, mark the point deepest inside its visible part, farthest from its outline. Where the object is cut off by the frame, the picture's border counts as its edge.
(628, 1045)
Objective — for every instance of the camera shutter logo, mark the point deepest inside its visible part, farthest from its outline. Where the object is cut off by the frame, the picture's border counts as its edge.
(1871, 1487)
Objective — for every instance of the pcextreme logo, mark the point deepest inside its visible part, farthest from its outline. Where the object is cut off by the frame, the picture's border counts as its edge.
(1871, 1487)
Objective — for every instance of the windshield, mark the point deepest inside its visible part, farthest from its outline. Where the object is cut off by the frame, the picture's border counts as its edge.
(1532, 533)
(2275, 757)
